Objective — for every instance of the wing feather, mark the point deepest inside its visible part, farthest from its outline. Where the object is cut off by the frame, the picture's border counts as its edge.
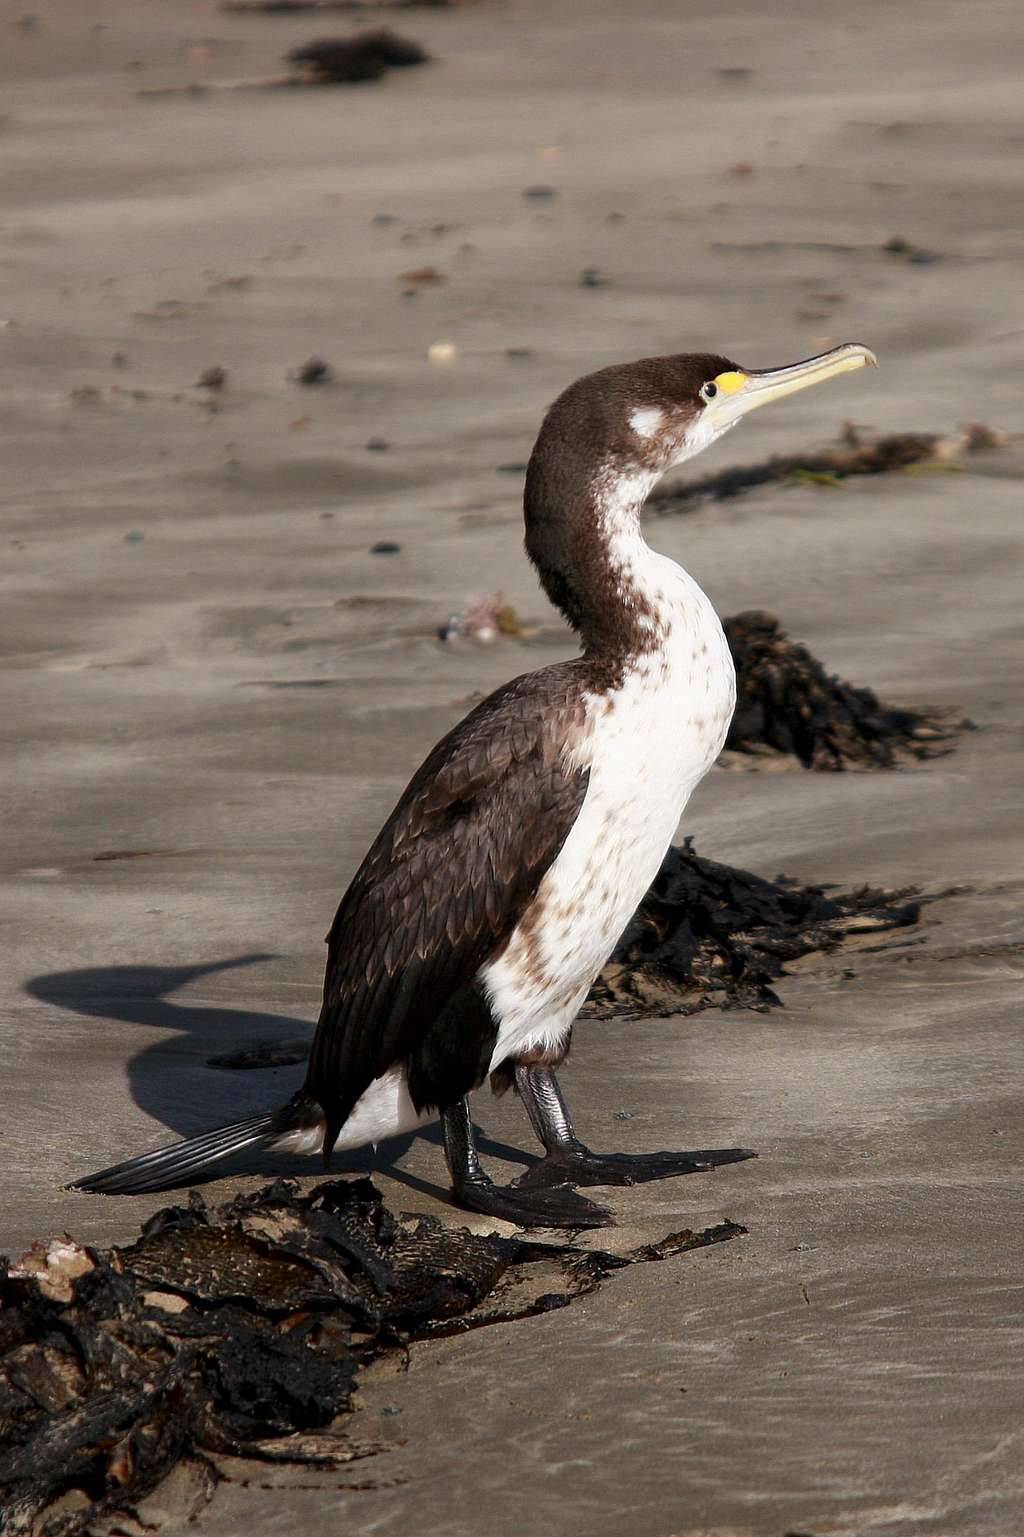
(448, 878)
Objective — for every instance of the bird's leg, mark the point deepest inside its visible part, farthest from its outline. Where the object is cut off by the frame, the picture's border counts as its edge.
(560, 1207)
(567, 1161)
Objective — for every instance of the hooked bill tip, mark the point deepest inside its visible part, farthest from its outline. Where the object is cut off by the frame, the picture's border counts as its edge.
(855, 351)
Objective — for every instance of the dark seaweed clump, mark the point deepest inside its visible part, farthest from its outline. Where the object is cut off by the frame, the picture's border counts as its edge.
(348, 60)
(857, 454)
(785, 700)
(712, 936)
(238, 1331)
(705, 936)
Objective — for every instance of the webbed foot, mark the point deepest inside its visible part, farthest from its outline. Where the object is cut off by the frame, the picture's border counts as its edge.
(555, 1205)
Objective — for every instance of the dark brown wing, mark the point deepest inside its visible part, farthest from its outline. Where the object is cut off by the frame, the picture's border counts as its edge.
(447, 880)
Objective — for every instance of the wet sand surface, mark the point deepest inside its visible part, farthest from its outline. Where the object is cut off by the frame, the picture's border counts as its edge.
(203, 666)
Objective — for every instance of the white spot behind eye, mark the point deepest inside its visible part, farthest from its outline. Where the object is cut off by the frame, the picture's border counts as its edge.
(646, 423)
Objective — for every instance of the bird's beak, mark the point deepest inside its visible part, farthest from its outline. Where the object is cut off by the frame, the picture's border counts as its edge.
(743, 391)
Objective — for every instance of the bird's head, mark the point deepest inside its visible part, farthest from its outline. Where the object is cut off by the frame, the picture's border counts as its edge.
(650, 415)
(605, 442)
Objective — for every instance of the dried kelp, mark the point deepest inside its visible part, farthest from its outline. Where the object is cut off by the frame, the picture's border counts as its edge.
(366, 56)
(856, 454)
(346, 60)
(787, 702)
(711, 936)
(239, 1331)
(706, 935)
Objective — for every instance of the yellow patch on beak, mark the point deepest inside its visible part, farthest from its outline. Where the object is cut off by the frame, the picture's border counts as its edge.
(730, 382)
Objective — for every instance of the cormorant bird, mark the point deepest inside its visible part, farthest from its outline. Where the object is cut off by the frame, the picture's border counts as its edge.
(498, 887)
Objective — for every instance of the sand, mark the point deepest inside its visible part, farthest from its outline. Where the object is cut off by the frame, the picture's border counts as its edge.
(201, 659)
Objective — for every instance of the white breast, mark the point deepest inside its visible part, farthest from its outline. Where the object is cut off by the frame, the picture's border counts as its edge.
(648, 743)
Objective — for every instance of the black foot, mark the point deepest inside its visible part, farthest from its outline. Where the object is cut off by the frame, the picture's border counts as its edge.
(556, 1206)
(577, 1165)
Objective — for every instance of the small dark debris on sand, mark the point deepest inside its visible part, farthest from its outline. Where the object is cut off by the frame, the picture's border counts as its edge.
(214, 378)
(287, 7)
(857, 453)
(239, 1331)
(786, 702)
(313, 371)
(346, 60)
(264, 1054)
(915, 254)
(114, 854)
(711, 936)
(325, 61)
(422, 275)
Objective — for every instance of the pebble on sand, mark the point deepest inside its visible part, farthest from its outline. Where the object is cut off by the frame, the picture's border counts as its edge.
(422, 275)
(313, 371)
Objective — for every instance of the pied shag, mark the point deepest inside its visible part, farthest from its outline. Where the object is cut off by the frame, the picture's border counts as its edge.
(495, 892)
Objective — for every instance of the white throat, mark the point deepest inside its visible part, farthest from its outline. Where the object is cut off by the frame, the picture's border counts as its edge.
(652, 728)
(665, 601)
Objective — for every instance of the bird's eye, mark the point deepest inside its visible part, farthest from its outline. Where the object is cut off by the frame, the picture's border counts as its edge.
(708, 391)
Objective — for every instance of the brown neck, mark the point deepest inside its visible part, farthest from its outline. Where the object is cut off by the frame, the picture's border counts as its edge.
(583, 536)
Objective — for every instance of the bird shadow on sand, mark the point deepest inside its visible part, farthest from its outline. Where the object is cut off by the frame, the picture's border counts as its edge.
(176, 1084)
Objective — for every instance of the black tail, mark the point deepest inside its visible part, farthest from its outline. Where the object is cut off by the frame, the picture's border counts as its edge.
(181, 1160)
